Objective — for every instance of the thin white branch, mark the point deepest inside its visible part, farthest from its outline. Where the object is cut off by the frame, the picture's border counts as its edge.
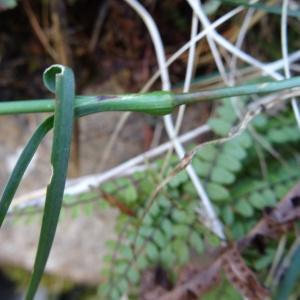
(197, 38)
(84, 183)
(284, 48)
(239, 42)
(196, 6)
(189, 71)
(238, 52)
(159, 49)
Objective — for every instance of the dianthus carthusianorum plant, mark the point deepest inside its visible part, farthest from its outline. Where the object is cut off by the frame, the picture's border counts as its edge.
(226, 157)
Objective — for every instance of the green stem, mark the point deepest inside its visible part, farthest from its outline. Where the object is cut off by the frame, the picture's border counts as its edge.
(157, 103)
(260, 88)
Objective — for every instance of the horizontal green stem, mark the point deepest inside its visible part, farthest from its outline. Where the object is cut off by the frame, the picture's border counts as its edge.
(243, 90)
(157, 103)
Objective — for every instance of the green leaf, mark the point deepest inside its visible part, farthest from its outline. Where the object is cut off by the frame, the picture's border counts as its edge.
(120, 267)
(163, 201)
(202, 168)
(244, 140)
(180, 178)
(152, 251)
(115, 294)
(148, 220)
(154, 209)
(277, 136)
(61, 80)
(228, 215)
(227, 113)
(257, 200)
(189, 189)
(244, 208)
(220, 175)
(146, 231)
(181, 230)
(167, 227)
(219, 126)
(167, 256)
(270, 198)
(181, 249)
(196, 242)
(280, 190)
(263, 262)
(208, 153)
(179, 216)
(291, 133)
(122, 286)
(126, 252)
(260, 121)
(217, 192)
(109, 187)
(128, 194)
(234, 149)
(213, 240)
(142, 262)
(21, 166)
(133, 276)
(159, 238)
(238, 230)
(229, 162)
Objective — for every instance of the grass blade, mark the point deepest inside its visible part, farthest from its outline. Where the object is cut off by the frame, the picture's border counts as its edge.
(61, 80)
(21, 166)
(291, 277)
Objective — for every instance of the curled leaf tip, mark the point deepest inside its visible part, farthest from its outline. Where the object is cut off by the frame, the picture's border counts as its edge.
(49, 76)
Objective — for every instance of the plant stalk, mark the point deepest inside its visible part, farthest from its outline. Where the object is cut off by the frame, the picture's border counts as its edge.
(156, 103)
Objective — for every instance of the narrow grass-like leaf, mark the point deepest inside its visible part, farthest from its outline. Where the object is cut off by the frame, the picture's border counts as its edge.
(291, 277)
(21, 166)
(61, 79)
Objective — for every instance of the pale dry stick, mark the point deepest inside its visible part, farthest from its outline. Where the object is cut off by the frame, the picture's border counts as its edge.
(102, 12)
(186, 87)
(239, 42)
(279, 64)
(243, 55)
(159, 49)
(284, 48)
(262, 160)
(212, 45)
(156, 135)
(38, 30)
(197, 38)
(84, 183)
(295, 67)
(189, 71)
(250, 72)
